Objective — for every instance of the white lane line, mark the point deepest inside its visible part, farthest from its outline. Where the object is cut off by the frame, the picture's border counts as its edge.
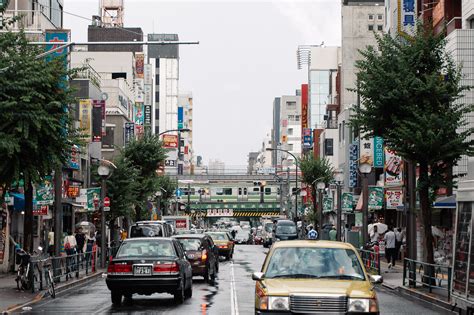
(233, 292)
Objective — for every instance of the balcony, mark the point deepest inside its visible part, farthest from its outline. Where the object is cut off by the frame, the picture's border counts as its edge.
(88, 73)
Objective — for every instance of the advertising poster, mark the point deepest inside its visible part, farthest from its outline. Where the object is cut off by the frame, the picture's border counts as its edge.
(92, 194)
(138, 114)
(57, 38)
(393, 169)
(327, 204)
(353, 157)
(366, 151)
(375, 198)
(41, 210)
(347, 202)
(170, 141)
(129, 132)
(44, 192)
(139, 65)
(394, 198)
(85, 118)
(74, 158)
(378, 152)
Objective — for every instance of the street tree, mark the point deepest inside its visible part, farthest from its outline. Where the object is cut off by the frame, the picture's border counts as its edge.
(36, 133)
(145, 154)
(410, 90)
(167, 187)
(314, 170)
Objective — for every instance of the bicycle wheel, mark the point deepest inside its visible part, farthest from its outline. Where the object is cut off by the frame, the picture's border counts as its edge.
(50, 284)
(18, 279)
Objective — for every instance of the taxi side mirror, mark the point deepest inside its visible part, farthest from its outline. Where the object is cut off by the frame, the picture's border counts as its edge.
(376, 279)
(257, 276)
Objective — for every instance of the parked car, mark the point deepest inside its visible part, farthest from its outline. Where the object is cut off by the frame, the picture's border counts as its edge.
(202, 253)
(150, 229)
(149, 265)
(267, 233)
(285, 230)
(224, 243)
(314, 277)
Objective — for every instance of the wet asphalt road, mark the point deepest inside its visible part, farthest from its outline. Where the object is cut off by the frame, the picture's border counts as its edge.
(233, 294)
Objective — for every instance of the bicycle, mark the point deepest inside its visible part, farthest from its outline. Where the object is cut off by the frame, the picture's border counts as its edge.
(25, 275)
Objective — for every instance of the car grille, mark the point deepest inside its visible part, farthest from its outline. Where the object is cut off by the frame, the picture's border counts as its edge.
(315, 304)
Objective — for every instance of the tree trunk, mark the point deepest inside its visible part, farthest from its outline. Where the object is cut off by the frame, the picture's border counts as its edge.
(425, 203)
(138, 213)
(28, 217)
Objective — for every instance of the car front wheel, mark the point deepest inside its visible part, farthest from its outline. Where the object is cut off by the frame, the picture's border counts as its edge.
(116, 297)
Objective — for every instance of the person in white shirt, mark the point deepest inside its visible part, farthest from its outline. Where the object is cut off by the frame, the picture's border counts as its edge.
(390, 241)
(374, 237)
(70, 246)
(398, 242)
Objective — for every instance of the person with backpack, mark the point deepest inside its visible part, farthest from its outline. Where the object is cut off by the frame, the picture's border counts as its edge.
(70, 246)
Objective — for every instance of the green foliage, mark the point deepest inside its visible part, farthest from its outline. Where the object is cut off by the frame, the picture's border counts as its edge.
(315, 170)
(168, 187)
(36, 130)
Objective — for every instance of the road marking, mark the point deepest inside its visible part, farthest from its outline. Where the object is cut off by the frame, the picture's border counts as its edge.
(233, 292)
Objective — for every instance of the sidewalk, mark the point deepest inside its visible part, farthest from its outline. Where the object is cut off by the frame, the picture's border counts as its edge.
(11, 299)
(393, 280)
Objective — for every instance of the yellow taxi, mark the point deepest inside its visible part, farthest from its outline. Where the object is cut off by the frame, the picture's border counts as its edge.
(314, 277)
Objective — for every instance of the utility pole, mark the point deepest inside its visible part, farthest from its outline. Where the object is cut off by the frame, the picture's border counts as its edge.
(58, 211)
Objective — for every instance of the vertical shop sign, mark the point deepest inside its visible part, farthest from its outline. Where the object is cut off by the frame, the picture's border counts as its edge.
(147, 115)
(375, 198)
(74, 158)
(148, 95)
(406, 17)
(307, 138)
(347, 202)
(393, 168)
(139, 65)
(394, 198)
(180, 117)
(378, 152)
(353, 157)
(85, 118)
(129, 132)
(148, 75)
(366, 151)
(97, 116)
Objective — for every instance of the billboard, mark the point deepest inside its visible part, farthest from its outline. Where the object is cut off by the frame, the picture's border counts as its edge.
(85, 118)
(170, 141)
(393, 168)
(139, 65)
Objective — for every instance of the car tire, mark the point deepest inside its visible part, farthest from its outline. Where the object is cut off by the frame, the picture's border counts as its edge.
(217, 266)
(116, 297)
(212, 278)
(206, 275)
(189, 291)
(179, 294)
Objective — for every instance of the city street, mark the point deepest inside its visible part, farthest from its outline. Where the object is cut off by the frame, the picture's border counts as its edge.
(232, 294)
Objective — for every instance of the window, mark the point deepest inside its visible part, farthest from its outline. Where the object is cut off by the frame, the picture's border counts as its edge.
(471, 23)
(290, 131)
(291, 104)
(371, 17)
(328, 147)
(157, 79)
(291, 117)
(297, 118)
(371, 27)
(157, 113)
(157, 97)
(227, 191)
(256, 189)
(379, 17)
(343, 130)
(117, 75)
(379, 27)
(268, 191)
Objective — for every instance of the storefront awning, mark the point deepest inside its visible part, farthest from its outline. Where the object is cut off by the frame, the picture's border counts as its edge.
(448, 202)
(19, 201)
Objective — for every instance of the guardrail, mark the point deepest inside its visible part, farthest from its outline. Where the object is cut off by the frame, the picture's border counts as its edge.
(371, 260)
(429, 275)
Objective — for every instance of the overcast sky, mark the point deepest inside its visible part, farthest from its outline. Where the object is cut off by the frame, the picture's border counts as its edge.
(246, 57)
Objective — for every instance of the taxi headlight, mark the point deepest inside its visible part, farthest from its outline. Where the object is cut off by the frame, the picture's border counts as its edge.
(362, 305)
(279, 303)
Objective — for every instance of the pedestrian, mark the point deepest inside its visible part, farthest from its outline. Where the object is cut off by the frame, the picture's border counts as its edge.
(390, 247)
(90, 239)
(398, 242)
(51, 243)
(312, 234)
(333, 233)
(81, 243)
(375, 235)
(70, 246)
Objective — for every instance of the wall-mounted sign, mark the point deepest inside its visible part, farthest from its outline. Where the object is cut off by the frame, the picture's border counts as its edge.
(41, 210)
(394, 198)
(327, 204)
(85, 118)
(220, 212)
(147, 115)
(366, 151)
(378, 152)
(129, 132)
(44, 192)
(347, 202)
(148, 95)
(170, 141)
(393, 169)
(353, 157)
(406, 16)
(171, 163)
(180, 117)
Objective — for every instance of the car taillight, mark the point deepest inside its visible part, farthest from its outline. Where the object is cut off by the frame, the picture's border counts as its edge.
(165, 267)
(117, 268)
(204, 255)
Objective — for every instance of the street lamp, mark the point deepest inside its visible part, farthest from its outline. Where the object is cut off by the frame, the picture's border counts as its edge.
(320, 186)
(339, 178)
(296, 176)
(365, 169)
(179, 131)
(104, 172)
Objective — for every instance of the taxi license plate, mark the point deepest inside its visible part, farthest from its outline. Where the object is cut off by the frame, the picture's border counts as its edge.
(142, 270)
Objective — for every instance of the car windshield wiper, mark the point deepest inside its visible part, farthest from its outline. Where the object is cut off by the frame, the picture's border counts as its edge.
(343, 277)
(296, 275)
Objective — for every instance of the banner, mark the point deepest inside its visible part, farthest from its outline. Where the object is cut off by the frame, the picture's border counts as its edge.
(138, 114)
(347, 202)
(148, 95)
(129, 132)
(393, 169)
(366, 151)
(148, 74)
(170, 141)
(307, 137)
(85, 119)
(97, 121)
(327, 204)
(44, 192)
(353, 157)
(92, 194)
(375, 201)
(394, 198)
(139, 90)
(139, 64)
(74, 159)
(180, 117)
(406, 16)
(57, 38)
(378, 152)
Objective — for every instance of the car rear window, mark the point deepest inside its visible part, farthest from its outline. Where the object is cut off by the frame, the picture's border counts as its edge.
(219, 236)
(190, 243)
(146, 231)
(146, 248)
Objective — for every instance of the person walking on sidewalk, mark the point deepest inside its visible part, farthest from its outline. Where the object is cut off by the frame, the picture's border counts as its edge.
(390, 241)
(80, 241)
(398, 242)
(70, 246)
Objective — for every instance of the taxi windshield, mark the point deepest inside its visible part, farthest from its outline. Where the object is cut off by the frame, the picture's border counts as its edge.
(314, 262)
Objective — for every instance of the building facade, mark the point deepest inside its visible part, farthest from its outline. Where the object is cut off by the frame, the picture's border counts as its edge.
(185, 121)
